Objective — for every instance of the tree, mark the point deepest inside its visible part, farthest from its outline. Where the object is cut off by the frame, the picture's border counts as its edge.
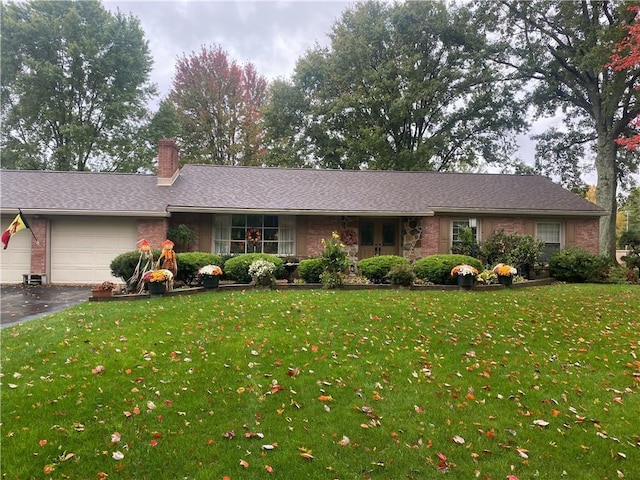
(403, 87)
(562, 49)
(218, 103)
(74, 84)
(626, 56)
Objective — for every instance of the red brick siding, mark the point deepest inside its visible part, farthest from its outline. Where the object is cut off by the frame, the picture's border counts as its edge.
(317, 229)
(430, 236)
(40, 228)
(587, 234)
(154, 231)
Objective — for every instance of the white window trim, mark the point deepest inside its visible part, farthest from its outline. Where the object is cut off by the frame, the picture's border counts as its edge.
(284, 221)
(478, 228)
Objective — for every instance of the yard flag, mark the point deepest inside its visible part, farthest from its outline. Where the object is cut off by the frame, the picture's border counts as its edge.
(19, 223)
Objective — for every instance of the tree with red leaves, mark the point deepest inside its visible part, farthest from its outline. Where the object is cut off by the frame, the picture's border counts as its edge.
(218, 105)
(626, 56)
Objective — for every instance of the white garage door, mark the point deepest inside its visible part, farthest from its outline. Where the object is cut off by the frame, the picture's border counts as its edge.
(82, 248)
(16, 259)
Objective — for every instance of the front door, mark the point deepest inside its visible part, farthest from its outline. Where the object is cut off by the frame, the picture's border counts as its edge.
(378, 236)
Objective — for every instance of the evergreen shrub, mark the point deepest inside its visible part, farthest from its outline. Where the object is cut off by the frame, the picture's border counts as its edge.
(437, 268)
(310, 269)
(377, 268)
(237, 268)
(576, 265)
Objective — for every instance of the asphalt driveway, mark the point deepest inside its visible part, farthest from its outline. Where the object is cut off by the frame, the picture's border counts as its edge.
(20, 303)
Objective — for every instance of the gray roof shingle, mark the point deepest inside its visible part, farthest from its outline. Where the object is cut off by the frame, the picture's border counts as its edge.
(224, 188)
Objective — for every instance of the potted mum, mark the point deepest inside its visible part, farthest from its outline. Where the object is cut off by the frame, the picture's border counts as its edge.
(466, 274)
(505, 273)
(104, 290)
(209, 276)
(261, 272)
(158, 281)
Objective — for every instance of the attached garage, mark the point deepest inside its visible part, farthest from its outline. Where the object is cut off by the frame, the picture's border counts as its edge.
(16, 259)
(82, 248)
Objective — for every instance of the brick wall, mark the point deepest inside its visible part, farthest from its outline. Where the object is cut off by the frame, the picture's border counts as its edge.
(39, 227)
(319, 228)
(154, 231)
(588, 234)
(430, 236)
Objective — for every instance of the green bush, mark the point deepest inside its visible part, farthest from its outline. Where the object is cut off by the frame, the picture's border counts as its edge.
(437, 268)
(237, 268)
(377, 268)
(577, 265)
(190, 262)
(519, 251)
(310, 270)
(124, 264)
(401, 274)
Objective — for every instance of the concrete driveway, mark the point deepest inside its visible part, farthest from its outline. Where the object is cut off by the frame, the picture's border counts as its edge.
(19, 303)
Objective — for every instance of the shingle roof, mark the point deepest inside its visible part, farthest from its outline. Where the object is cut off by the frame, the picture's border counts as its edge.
(224, 188)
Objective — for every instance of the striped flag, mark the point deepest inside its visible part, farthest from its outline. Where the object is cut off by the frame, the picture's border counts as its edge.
(19, 223)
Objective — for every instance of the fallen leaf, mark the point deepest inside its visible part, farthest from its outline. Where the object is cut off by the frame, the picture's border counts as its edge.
(458, 439)
(244, 463)
(117, 455)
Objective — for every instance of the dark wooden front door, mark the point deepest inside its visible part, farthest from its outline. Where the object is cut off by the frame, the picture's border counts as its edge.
(378, 236)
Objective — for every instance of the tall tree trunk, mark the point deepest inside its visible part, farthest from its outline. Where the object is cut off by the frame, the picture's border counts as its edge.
(606, 192)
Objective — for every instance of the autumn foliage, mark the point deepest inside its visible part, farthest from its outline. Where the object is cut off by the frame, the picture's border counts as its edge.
(218, 105)
(626, 56)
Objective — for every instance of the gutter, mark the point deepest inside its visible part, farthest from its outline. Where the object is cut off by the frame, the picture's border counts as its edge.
(85, 213)
(301, 212)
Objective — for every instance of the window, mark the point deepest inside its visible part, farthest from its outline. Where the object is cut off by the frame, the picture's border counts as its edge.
(237, 234)
(550, 234)
(458, 226)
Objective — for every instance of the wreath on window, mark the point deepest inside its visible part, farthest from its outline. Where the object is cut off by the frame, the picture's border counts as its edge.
(253, 235)
(349, 237)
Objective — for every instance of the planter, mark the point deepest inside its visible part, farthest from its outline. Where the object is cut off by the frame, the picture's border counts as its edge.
(102, 293)
(210, 281)
(505, 280)
(466, 280)
(156, 288)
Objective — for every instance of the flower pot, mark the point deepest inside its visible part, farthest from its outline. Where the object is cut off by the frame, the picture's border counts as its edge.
(156, 288)
(101, 293)
(210, 281)
(505, 280)
(466, 280)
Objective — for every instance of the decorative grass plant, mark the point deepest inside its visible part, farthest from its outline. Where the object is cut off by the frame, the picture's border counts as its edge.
(536, 383)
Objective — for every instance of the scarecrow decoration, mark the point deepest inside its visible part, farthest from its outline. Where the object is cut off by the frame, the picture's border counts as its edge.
(167, 258)
(145, 263)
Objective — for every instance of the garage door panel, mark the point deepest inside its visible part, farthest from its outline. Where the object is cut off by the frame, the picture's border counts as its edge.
(16, 259)
(82, 249)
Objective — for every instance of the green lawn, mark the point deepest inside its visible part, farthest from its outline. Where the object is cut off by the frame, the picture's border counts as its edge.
(538, 383)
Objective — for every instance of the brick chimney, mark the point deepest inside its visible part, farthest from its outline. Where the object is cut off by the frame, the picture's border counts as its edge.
(168, 162)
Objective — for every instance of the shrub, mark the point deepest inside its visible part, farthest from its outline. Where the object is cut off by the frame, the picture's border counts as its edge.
(401, 274)
(124, 264)
(377, 268)
(237, 268)
(577, 265)
(437, 268)
(310, 270)
(521, 251)
(189, 263)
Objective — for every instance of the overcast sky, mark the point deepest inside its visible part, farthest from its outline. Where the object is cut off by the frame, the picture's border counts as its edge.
(271, 35)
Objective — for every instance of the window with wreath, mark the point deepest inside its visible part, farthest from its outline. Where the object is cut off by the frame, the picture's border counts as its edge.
(238, 234)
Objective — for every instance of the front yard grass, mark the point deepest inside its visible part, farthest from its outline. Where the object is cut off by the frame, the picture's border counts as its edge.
(537, 383)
